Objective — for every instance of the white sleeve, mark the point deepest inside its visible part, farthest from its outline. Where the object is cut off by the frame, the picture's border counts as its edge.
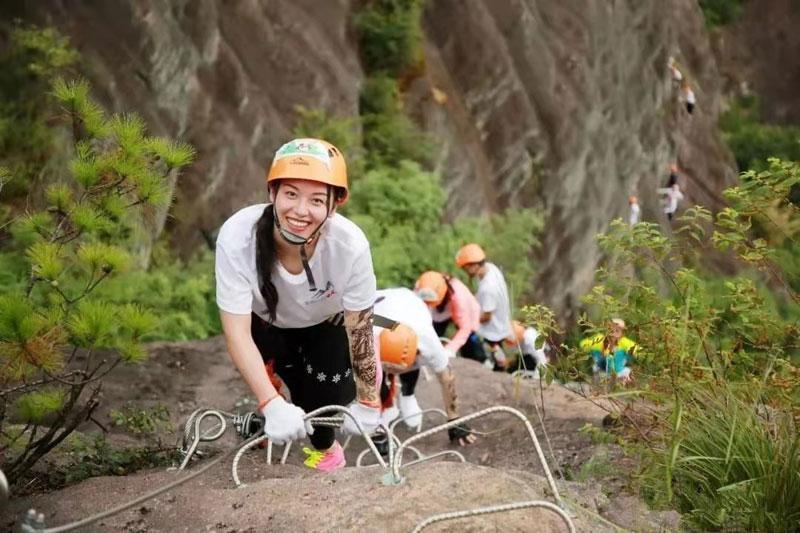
(234, 294)
(431, 352)
(360, 292)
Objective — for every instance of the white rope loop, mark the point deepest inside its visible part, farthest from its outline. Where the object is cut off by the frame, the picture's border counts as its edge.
(497, 509)
(396, 461)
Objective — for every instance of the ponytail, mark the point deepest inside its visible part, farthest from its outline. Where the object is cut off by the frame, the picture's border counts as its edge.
(446, 300)
(266, 256)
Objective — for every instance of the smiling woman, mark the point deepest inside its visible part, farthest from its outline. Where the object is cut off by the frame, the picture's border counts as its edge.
(295, 288)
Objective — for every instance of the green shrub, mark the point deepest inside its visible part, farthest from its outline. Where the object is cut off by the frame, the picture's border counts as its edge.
(721, 12)
(752, 141)
(390, 35)
(736, 465)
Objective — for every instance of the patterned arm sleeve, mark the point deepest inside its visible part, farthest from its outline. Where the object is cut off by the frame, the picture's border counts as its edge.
(358, 325)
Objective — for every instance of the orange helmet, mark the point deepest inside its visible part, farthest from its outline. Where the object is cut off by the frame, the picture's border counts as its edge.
(311, 159)
(517, 333)
(398, 347)
(470, 253)
(431, 287)
(632, 199)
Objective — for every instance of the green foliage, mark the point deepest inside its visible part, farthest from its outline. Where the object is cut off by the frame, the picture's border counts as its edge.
(717, 355)
(721, 12)
(75, 242)
(33, 58)
(181, 293)
(390, 36)
(401, 209)
(95, 456)
(390, 138)
(147, 422)
(752, 141)
(735, 467)
(34, 407)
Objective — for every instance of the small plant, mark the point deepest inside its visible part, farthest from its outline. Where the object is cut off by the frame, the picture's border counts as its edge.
(149, 423)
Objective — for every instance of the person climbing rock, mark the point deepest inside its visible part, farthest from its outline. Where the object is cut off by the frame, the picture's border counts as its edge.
(403, 350)
(611, 353)
(688, 97)
(672, 197)
(675, 74)
(635, 212)
(673, 175)
(492, 295)
(531, 359)
(449, 300)
(295, 288)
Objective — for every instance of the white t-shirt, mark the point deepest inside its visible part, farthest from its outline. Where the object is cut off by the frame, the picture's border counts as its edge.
(633, 218)
(493, 297)
(402, 305)
(528, 346)
(341, 266)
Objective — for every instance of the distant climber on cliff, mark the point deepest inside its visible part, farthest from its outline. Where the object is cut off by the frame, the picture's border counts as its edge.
(673, 175)
(492, 295)
(673, 196)
(688, 97)
(675, 73)
(402, 350)
(635, 211)
(611, 353)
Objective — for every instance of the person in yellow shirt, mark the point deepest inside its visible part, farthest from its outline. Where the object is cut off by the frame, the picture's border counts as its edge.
(611, 352)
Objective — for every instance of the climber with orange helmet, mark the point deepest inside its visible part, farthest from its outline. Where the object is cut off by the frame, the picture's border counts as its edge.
(449, 300)
(403, 349)
(492, 295)
(295, 289)
(532, 359)
(635, 210)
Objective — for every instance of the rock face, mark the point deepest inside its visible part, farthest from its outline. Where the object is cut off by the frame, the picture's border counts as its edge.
(568, 107)
(562, 106)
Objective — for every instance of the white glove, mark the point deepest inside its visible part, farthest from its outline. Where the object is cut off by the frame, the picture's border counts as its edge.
(283, 421)
(410, 411)
(389, 414)
(368, 417)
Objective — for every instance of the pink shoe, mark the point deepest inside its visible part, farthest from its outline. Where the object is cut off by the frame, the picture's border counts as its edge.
(328, 461)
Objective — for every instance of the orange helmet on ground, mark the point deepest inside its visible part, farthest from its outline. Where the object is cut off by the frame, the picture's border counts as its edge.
(517, 333)
(311, 159)
(470, 253)
(431, 287)
(398, 347)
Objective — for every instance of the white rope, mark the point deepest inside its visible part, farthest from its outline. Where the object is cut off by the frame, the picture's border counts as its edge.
(497, 509)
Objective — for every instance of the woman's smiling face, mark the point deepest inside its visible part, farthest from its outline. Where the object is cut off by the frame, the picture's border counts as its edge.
(301, 205)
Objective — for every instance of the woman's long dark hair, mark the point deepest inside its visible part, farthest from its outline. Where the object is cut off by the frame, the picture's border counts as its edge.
(266, 255)
(446, 300)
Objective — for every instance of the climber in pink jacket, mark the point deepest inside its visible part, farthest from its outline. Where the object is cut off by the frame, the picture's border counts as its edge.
(450, 300)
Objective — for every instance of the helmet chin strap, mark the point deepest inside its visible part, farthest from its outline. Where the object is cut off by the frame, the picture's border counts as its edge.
(297, 240)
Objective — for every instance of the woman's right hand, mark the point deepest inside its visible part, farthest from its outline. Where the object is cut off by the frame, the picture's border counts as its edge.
(283, 421)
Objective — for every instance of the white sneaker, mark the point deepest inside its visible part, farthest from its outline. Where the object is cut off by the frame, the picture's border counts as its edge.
(410, 411)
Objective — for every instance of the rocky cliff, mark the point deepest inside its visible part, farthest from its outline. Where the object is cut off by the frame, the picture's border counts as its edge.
(565, 106)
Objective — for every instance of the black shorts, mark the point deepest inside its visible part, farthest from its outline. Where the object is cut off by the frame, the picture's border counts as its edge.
(313, 362)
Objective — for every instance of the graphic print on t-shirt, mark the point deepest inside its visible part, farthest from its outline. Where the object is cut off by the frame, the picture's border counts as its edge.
(321, 294)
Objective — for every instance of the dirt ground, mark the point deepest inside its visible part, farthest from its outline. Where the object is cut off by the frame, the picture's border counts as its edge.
(502, 467)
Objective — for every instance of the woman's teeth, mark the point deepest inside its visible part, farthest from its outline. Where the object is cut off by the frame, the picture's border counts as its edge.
(299, 224)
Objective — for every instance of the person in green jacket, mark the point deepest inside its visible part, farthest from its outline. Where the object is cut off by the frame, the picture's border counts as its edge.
(612, 352)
